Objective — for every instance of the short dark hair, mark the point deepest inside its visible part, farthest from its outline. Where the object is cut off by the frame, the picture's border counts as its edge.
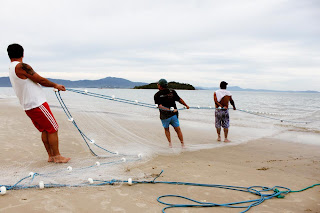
(223, 85)
(15, 51)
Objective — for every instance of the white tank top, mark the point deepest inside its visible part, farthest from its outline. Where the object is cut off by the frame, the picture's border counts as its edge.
(30, 94)
(221, 93)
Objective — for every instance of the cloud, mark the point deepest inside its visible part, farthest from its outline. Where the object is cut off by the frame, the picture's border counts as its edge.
(267, 43)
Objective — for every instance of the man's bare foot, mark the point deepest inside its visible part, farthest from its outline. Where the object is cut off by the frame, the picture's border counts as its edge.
(50, 159)
(60, 159)
(182, 145)
(219, 138)
(170, 144)
(226, 140)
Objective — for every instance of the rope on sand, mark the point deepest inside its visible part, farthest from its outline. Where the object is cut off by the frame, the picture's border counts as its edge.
(263, 193)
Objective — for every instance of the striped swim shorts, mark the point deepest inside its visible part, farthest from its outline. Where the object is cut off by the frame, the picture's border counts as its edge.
(43, 119)
(222, 118)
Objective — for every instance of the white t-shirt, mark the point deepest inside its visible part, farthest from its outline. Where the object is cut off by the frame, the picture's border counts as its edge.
(29, 93)
(221, 93)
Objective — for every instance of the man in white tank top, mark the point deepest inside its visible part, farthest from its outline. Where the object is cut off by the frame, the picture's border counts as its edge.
(26, 84)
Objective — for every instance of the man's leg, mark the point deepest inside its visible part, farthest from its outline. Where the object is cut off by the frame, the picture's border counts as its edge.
(226, 134)
(218, 123)
(180, 136)
(44, 137)
(225, 125)
(218, 132)
(167, 132)
(54, 146)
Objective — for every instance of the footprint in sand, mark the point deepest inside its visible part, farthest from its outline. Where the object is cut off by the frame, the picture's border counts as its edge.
(105, 203)
(141, 205)
(119, 192)
(118, 209)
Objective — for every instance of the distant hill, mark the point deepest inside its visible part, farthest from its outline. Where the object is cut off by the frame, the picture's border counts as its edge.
(5, 82)
(236, 88)
(109, 82)
(112, 82)
(173, 85)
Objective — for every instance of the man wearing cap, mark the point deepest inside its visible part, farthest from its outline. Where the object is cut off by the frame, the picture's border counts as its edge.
(222, 97)
(166, 99)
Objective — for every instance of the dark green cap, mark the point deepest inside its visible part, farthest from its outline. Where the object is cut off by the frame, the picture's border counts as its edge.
(163, 83)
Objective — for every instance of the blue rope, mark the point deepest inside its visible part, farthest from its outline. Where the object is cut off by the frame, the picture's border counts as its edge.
(16, 186)
(264, 193)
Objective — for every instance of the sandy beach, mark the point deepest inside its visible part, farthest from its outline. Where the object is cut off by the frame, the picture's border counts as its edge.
(264, 162)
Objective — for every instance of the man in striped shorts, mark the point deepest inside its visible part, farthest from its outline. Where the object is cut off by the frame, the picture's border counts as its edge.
(26, 84)
(221, 98)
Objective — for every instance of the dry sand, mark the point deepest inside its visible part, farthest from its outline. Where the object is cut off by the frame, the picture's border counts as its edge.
(265, 162)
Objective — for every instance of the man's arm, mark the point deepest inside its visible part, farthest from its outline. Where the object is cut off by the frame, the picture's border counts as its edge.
(157, 102)
(216, 100)
(181, 101)
(232, 103)
(25, 71)
(166, 108)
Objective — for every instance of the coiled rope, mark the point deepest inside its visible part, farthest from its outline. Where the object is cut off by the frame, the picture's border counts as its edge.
(264, 193)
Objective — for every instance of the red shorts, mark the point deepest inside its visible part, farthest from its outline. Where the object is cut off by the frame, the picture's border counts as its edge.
(43, 119)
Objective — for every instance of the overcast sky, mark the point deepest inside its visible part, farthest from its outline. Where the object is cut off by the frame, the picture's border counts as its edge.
(265, 44)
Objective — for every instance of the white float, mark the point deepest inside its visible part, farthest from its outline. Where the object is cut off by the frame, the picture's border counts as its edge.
(98, 163)
(90, 180)
(129, 181)
(41, 185)
(3, 190)
(69, 168)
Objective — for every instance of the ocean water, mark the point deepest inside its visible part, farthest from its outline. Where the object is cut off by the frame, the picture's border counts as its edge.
(294, 117)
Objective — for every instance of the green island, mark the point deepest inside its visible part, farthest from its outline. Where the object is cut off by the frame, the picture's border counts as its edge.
(172, 84)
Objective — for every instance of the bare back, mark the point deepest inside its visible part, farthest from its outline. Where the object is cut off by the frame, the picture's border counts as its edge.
(224, 102)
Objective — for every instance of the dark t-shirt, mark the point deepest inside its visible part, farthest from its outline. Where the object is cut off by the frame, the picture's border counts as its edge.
(167, 98)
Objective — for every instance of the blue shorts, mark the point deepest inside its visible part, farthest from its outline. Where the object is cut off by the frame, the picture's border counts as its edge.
(173, 120)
